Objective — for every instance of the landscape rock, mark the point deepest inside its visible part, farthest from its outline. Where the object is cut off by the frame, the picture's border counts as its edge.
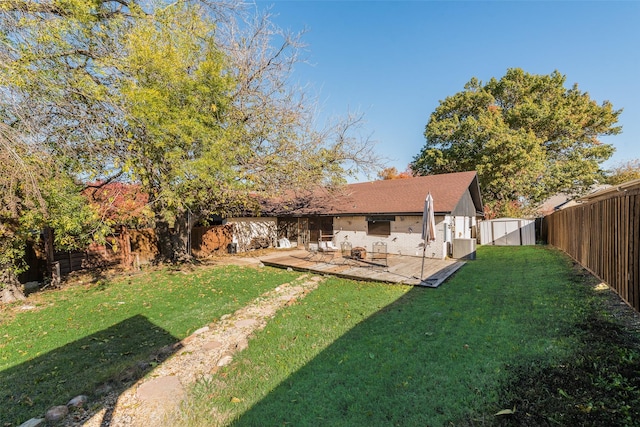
(31, 286)
(78, 401)
(163, 389)
(103, 389)
(201, 330)
(246, 323)
(225, 360)
(56, 413)
(212, 345)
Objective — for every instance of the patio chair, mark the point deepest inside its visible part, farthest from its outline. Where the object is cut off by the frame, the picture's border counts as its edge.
(345, 250)
(326, 248)
(331, 246)
(379, 253)
(312, 248)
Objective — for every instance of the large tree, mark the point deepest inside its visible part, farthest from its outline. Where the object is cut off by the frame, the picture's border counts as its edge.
(526, 135)
(190, 99)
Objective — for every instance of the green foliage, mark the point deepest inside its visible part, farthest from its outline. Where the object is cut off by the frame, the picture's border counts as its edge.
(112, 90)
(158, 94)
(175, 92)
(74, 221)
(526, 135)
(623, 172)
(50, 93)
(35, 193)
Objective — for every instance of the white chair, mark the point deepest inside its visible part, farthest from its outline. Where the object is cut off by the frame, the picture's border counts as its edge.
(332, 246)
(326, 247)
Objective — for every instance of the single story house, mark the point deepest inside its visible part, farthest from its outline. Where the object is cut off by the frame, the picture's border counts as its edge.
(388, 211)
(562, 200)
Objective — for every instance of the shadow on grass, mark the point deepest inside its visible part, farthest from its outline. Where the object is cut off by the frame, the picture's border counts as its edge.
(106, 361)
(599, 386)
(459, 354)
(407, 364)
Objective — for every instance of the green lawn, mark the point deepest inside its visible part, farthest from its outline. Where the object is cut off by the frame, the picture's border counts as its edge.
(511, 330)
(83, 336)
(519, 328)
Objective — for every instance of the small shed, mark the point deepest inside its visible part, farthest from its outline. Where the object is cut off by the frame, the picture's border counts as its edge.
(508, 232)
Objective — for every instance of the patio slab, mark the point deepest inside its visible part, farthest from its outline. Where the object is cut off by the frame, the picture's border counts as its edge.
(401, 269)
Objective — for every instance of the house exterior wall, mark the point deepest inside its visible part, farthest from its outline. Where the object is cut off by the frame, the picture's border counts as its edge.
(405, 233)
(405, 237)
(465, 206)
(463, 227)
(249, 232)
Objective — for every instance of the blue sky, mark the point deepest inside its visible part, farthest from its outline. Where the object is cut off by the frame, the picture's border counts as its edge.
(394, 61)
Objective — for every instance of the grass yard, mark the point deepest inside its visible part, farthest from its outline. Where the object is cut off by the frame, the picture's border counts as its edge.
(520, 331)
(81, 337)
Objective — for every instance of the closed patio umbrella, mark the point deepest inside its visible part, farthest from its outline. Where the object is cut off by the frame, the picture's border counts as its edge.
(428, 227)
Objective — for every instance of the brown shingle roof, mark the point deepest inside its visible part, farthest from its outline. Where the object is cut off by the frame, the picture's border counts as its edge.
(405, 196)
(397, 196)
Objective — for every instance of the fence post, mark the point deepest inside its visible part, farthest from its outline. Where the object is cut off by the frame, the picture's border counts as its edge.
(55, 274)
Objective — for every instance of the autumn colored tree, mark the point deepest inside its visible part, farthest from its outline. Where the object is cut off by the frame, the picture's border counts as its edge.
(120, 204)
(392, 173)
(526, 135)
(623, 172)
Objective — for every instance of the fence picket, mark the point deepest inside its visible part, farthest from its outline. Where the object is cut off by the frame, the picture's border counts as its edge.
(603, 235)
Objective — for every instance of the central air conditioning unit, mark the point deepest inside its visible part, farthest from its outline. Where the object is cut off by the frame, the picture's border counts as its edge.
(464, 248)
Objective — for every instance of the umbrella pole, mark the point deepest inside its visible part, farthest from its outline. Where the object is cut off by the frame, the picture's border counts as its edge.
(424, 249)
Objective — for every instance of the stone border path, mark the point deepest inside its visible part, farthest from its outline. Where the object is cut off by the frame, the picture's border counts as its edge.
(148, 401)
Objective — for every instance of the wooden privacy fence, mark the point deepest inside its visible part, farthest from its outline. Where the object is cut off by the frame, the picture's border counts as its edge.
(603, 235)
(96, 256)
(128, 248)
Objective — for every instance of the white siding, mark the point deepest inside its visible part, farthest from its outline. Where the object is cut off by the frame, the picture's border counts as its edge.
(508, 232)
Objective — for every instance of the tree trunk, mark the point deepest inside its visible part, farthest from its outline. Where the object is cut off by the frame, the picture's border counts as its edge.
(173, 243)
(10, 287)
(125, 240)
(48, 250)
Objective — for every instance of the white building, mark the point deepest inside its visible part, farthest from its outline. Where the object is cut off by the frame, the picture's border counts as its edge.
(388, 211)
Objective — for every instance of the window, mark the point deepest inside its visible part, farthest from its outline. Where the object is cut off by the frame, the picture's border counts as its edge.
(379, 226)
